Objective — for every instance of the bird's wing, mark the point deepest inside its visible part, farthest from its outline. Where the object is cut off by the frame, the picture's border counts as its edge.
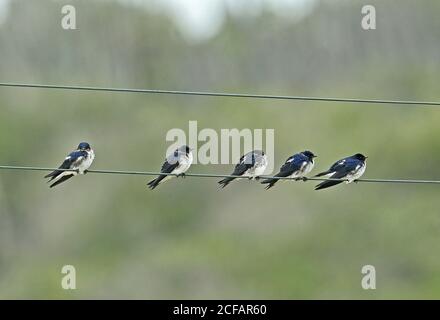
(241, 168)
(340, 171)
(345, 167)
(76, 158)
(339, 165)
(336, 167)
(247, 161)
(352, 165)
(339, 174)
(168, 167)
(70, 162)
(294, 163)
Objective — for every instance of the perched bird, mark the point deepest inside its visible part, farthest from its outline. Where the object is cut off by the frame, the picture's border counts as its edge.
(350, 168)
(297, 166)
(251, 165)
(76, 163)
(176, 163)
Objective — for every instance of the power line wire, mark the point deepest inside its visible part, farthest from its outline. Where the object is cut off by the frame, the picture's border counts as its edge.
(211, 175)
(222, 94)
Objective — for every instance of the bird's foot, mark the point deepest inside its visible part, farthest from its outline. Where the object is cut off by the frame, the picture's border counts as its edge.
(86, 171)
(257, 178)
(181, 175)
(304, 179)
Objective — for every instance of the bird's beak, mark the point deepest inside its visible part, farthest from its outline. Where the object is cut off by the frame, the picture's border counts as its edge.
(315, 156)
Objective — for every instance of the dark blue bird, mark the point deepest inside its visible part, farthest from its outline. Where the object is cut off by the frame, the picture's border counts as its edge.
(176, 163)
(348, 169)
(77, 162)
(251, 165)
(297, 166)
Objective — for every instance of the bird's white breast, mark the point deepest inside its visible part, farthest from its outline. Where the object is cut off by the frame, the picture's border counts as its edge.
(87, 162)
(185, 161)
(259, 168)
(356, 174)
(308, 167)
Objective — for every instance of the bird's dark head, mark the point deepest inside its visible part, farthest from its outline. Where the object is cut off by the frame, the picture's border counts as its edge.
(185, 149)
(309, 154)
(360, 156)
(84, 146)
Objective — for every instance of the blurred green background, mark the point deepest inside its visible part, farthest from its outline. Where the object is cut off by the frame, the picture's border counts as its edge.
(187, 239)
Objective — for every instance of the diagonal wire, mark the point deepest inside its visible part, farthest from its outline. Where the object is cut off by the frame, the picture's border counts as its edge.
(222, 94)
(211, 175)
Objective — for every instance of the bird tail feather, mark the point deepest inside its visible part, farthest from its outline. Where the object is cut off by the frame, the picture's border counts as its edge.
(327, 184)
(270, 183)
(155, 182)
(61, 180)
(53, 174)
(223, 183)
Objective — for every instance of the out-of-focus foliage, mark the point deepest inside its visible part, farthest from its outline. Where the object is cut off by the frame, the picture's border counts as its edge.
(187, 239)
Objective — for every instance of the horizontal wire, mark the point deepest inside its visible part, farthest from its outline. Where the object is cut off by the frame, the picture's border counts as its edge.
(211, 175)
(222, 94)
